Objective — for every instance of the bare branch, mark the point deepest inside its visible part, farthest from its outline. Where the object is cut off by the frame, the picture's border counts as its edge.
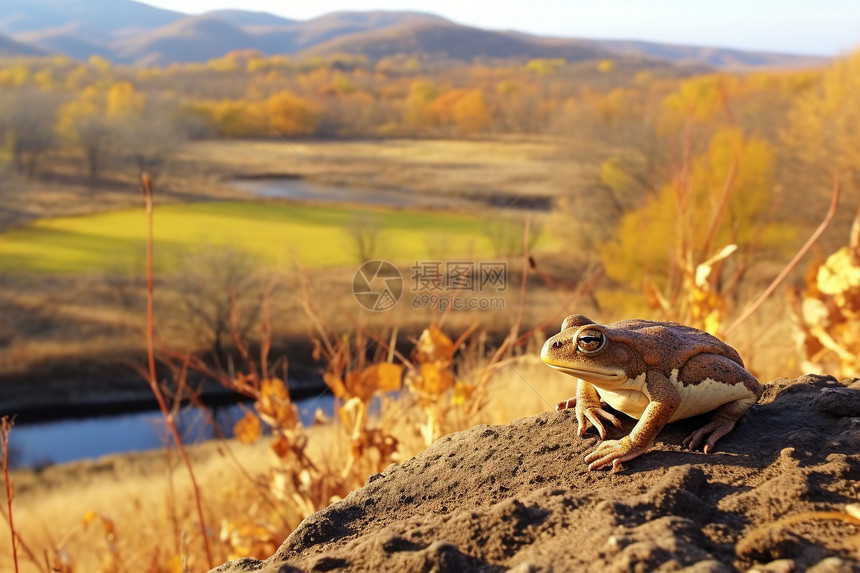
(834, 202)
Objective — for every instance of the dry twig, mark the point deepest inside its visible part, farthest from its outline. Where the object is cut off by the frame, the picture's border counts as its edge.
(834, 202)
(152, 377)
(5, 426)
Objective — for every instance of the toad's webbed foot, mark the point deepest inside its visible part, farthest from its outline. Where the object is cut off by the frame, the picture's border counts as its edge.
(589, 415)
(722, 422)
(614, 452)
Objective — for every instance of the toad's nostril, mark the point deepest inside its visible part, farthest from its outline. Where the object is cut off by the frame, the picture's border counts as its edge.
(557, 344)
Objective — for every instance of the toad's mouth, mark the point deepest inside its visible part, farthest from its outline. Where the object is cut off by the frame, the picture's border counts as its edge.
(596, 376)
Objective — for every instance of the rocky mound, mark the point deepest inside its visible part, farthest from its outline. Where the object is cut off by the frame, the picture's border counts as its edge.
(519, 496)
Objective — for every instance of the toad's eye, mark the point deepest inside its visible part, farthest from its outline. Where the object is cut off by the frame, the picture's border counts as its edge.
(590, 341)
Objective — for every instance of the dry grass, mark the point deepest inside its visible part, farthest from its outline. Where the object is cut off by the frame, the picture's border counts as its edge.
(202, 170)
(436, 166)
(143, 494)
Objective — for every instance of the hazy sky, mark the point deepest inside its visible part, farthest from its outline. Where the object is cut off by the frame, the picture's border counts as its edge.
(824, 27)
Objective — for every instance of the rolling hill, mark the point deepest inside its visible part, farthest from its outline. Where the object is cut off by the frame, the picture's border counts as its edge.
(193, 39)
(723, 58)
(259, 20)
(342, 24)
(131, 32)
(454, 41)
(9, 47)
(199, 38)
(76, 39)
(113, 17)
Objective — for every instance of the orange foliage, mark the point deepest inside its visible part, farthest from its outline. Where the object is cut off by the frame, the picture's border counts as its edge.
(471, 113)
(466, 109)
(289, 114)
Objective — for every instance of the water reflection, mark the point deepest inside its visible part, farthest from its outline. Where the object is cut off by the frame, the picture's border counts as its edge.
(302, 190)
(34, 445)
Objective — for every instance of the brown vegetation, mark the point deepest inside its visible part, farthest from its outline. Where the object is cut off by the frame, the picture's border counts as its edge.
(684, 202)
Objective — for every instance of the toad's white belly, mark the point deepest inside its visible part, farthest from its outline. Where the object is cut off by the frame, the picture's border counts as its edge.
(626, 397)
(632, 397)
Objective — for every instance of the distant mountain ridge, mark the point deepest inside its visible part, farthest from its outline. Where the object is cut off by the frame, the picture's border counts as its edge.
(9, 47)
(111, 17)
(455, 42)
(131, 32)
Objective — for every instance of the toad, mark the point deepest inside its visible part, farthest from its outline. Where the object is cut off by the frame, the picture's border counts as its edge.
(655, 372)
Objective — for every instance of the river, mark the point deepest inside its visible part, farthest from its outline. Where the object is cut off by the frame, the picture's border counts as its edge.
(58, 441)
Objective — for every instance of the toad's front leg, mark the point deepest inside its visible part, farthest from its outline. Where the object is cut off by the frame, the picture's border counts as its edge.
(588, 409)
(664, 401)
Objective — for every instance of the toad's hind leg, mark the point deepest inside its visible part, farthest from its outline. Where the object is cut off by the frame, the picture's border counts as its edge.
(724, 419)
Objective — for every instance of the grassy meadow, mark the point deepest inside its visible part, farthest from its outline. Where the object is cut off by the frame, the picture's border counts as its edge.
(275, 234)
(72, 253)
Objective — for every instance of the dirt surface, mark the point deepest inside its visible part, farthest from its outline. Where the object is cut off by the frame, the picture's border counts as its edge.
(519, 496)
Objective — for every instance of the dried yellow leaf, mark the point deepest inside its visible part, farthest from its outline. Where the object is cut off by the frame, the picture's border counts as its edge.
(434, 345)
(281, 446)
(385, 377)
(274, 388)
(462, 392)
(174, 564)
(338, 388)
(356, 386)
(274, 405)
(89, 517)
(838, 273)
(434, 378)
(247, 430)
(703, 271)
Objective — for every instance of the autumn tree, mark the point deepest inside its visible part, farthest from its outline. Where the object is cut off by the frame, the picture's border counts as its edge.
(417, 114)
(471, 113)
(149, 139)
(218, 291)
(123, 101)
(83, 122)
(625, 160)
(15, 76)
(364, 238)
(823, 126)
(290, 115)
(27, 126)
(545, 66)
(465, 109)
(149, 128)
(120, 119)
(283, 113)
(673, 247)
(228, 118)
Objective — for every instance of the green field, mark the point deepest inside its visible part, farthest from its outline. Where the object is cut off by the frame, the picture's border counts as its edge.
(273, 233)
